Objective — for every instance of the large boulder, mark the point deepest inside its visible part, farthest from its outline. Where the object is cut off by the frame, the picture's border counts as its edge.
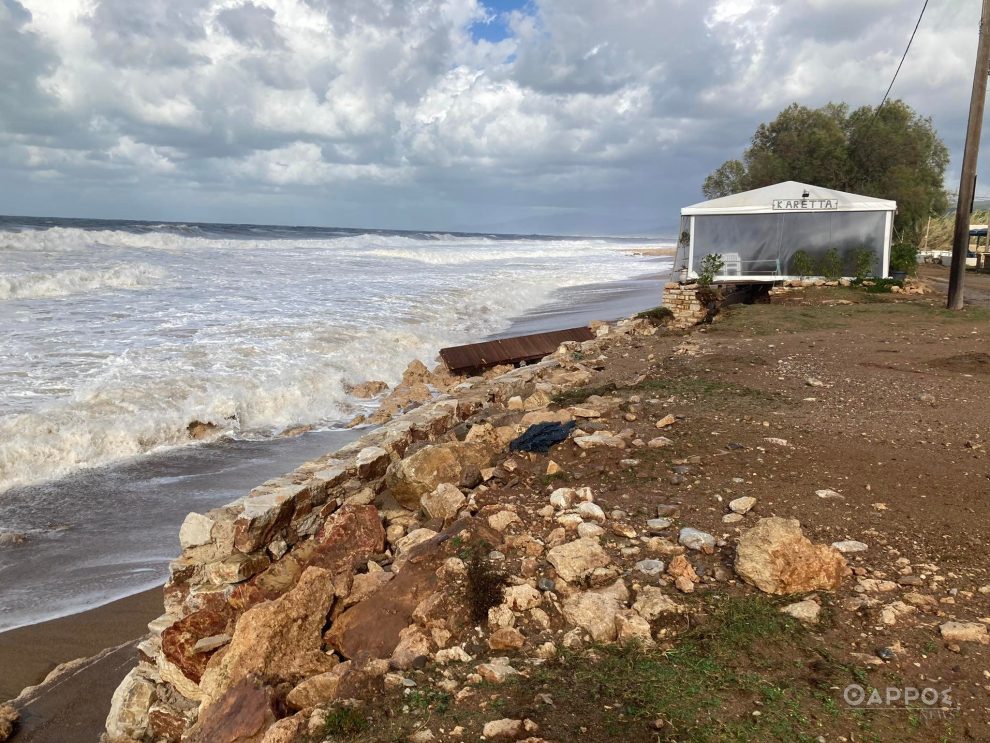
(179, 640)
(278, 641)
(595, 611)
(241, 715)
(372, 627)
(352, 535)
(777, 558)
(128, 716)
(576, 560)
(420, 473)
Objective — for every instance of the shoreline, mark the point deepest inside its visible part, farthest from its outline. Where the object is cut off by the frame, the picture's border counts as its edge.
(31, 651)
(28, 654)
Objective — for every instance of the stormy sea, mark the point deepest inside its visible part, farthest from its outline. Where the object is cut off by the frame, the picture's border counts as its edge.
(118, 335)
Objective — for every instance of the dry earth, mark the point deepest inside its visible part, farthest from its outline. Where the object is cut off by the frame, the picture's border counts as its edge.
(879, 400)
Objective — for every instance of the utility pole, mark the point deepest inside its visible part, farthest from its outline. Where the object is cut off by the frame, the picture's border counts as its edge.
(967, 180)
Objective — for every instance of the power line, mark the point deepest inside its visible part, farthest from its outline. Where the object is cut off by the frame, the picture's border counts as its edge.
(901, 63)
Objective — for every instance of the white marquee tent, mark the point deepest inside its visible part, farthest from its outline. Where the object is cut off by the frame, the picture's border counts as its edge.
(758, 232)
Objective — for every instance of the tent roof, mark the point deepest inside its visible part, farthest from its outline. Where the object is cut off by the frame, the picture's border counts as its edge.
(786, 196)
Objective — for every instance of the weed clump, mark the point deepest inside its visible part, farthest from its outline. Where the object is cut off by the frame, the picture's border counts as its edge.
(657, 316)
(343, 722)
(485, 583)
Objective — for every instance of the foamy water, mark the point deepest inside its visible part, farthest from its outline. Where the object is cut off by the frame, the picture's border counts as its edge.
(116, 336)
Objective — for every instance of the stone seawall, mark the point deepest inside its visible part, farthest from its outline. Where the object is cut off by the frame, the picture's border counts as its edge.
(274, 584)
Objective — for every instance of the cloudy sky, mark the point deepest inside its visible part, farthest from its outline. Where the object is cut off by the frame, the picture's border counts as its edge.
(520, 115)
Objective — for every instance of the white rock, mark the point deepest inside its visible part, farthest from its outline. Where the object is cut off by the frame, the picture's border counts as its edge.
(598, 440)
(578, 559)
(522, 598)
(592, 511)
(658, 525)
(965, 632)
(651, 602)
(806, 611)
(850, 545)
(562, 498)
(650, 567)
(827, 493)
(659, 442)
(196, 530)
(456, 654)
(695, 539)
(742, 505)
(589, 530)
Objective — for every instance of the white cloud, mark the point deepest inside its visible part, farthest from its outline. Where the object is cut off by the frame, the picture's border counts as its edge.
(391, 110)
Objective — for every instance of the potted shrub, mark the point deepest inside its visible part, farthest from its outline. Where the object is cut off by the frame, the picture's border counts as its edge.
(903, 261)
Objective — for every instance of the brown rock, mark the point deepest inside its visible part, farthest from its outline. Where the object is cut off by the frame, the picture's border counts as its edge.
(369, 389)
(370, 629)
(294, 729)
(8, 719)
(444, 502)
(272, 582)
(236, 568)
(364, 585)
(200, 430)
(412, 644)
(179, 640)
(506, 638)
(348, 539)
(242, 714)
(165, 723)
(277, 640)
(777, 558)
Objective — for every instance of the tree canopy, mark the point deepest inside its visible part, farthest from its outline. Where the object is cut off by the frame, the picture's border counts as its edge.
(896, 154)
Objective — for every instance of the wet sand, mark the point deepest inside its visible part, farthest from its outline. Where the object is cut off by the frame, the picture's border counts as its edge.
(28, 654)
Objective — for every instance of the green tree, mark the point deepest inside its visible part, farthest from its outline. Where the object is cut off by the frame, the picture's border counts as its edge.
(894, 155)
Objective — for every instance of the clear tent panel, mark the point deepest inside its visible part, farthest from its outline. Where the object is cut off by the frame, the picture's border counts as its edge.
(766, 244)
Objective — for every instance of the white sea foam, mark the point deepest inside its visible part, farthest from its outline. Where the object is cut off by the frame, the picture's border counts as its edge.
(77, 281)
(251, 332)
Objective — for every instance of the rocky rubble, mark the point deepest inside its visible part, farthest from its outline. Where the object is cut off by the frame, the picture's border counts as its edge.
(357, 575)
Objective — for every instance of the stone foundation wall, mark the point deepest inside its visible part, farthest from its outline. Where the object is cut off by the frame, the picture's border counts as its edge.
(325, 535)
(682, 300)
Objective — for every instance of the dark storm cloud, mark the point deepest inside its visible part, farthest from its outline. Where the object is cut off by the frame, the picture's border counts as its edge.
(399, 113)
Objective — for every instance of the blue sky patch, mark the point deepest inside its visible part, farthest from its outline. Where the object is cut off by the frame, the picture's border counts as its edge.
(496, 29)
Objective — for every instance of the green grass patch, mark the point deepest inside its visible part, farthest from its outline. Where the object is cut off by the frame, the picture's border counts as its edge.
(343, 723)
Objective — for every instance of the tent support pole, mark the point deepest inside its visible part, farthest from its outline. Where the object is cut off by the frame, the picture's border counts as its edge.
(690, 262)
(887, 225)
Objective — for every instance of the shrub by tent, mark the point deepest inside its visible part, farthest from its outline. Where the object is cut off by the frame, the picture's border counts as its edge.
(759, 232)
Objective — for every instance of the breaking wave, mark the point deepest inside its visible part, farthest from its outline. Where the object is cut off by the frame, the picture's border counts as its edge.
(78, 281)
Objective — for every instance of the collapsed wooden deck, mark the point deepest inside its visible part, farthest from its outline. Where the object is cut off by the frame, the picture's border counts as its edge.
(475, 357)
